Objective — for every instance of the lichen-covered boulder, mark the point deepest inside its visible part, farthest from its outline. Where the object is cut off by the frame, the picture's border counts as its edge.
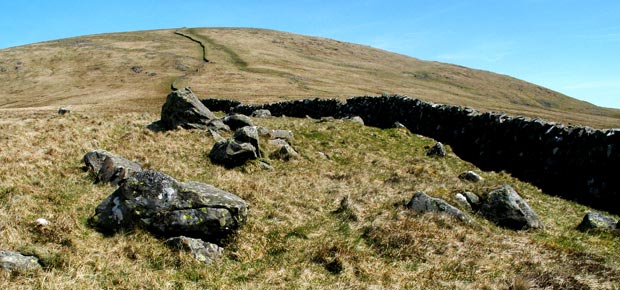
(282, 134)
(437, 150)
(14, 261)
(184, 109)
(237, 121)
(167, 207)
(109, 167)
(202, 251)
(422, 203)
(504, 207)
(596, 221)
(230, 153)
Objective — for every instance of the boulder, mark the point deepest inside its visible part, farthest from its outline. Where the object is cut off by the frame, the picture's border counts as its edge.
(504, 207)
(422, 203)
(286, 153)
(248, 134)
(202, 251)
(169, 208)
(231, 153)
(596, 221)
(398, 125)
(472, 199)
(237, 121)
(184, 109)
(109, 167)
(470, 176)
(261, 113)
(14, 261)
(437, 150)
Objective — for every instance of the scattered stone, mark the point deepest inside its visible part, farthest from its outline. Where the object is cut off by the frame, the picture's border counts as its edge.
(462, 201)
(277, 142)
(63, 111)
(596, 221)
(202, 251)
(42, 222)
(261, 113)
(237, 121)
(169, 208)
(264, 165)
(184, 109)
(286, 153)
(216, 136)
(231, 153)
(14, 261)
(323, 155)
(218, 125)
(398, 125)
(470, 176)
(437, 150)
(282, 134)
(472, 199)
(136, 69)
(355, 119)
(422, 203)
(506, 208)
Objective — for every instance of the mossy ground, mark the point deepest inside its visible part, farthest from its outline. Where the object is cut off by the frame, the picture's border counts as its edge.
(300, 233)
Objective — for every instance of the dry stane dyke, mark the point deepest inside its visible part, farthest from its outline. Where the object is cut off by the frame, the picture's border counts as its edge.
(577, 163)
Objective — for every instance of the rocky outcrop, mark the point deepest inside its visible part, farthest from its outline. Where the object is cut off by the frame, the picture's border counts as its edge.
(14, 261)
(504, 207)
(108, 167)
(169, 208)
(202, 251)
(597, 222)
(422, 203)
(183, 109)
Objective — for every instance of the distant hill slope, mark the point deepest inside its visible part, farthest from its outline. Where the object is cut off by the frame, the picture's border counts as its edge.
(133, 72)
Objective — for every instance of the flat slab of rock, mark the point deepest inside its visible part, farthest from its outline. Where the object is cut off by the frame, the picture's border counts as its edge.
(184, 109)
(202, 251)
(505, 207)
(14, 261)
(597, 221)
(167, 207)
(422, 203)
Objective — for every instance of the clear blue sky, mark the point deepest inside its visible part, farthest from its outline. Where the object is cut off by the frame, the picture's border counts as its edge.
(571, 46)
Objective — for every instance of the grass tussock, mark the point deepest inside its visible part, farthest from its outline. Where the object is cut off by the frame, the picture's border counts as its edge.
(332, 218)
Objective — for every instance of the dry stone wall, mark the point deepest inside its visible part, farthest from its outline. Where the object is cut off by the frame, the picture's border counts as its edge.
(577, 163)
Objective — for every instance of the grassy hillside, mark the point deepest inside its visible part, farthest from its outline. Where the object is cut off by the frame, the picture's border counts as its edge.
(295, 236)
(133, 72)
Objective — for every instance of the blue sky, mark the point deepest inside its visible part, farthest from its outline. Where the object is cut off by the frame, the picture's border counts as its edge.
(569, 46)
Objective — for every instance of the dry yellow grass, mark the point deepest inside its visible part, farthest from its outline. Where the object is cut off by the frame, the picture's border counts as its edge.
(295, 237)
(252, 65)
